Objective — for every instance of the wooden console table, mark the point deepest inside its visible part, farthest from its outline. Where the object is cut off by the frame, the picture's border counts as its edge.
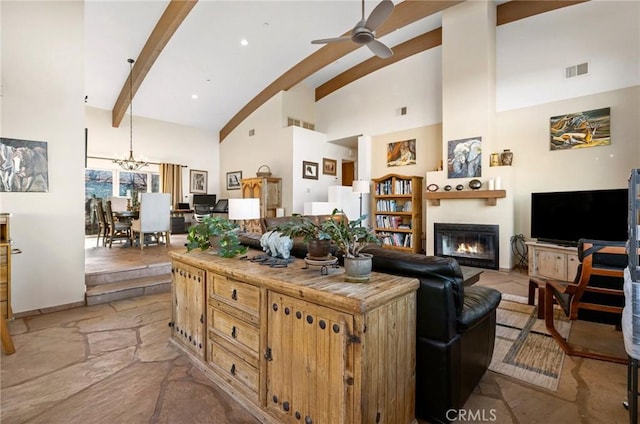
(295, 346)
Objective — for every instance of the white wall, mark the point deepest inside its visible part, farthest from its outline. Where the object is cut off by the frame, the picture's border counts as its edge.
(530, 57)
(42, 99)
(312, 146)
(155, 141)
(371, 105)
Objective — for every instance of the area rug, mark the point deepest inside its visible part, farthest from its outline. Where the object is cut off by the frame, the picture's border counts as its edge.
(524, 349)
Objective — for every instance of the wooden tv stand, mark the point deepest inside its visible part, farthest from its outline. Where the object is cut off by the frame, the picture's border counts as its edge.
(552, 261)
(295, 346)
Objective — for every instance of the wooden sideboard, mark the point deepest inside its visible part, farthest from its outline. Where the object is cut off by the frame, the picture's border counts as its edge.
(295, 346)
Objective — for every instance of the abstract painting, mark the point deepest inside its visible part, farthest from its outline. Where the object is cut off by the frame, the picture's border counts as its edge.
(581, 129)
(464, 158)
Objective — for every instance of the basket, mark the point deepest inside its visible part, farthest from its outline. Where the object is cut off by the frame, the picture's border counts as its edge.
(262, 173)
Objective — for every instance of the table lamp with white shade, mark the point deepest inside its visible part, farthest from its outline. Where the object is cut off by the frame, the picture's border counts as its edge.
(360, 187)
(244, 209)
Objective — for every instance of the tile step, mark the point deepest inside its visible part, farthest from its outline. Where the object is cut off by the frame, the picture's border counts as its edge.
(109, 292)
(112, 277)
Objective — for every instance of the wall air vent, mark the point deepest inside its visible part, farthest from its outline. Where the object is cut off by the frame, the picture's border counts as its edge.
(576, 70)
(299, 123)
(403, 110)
(252, 132)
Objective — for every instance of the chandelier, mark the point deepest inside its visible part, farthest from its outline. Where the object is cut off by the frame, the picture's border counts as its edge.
(130, 164)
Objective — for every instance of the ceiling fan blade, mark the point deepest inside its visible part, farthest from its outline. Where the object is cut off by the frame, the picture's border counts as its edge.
(380, 49)
(380, 14)
(331, 40)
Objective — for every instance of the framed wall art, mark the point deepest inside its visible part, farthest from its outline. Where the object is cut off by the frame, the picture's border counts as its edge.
(234, 180)
(310, 170)
(24, 166)
(197, 181)
(329, 166)
(581, 129)
(401, 153)
(464, 159)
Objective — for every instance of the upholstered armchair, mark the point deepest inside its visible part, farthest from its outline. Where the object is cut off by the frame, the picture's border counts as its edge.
(154, 218)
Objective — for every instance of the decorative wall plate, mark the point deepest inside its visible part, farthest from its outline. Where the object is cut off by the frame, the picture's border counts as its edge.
(432, 187)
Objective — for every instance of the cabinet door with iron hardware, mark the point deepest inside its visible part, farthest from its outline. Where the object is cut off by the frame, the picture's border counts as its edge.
(309, 361)
(188, 321)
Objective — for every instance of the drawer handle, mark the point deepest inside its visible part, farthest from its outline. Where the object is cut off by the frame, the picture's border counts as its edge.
(233, 369)
(233, 332)
(234, 294)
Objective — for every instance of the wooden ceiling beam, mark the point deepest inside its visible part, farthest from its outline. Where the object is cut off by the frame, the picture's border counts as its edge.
(519, 9)
(404, 13)
(171, 18)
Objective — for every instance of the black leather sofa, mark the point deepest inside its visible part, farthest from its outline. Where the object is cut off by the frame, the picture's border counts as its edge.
(455, 326)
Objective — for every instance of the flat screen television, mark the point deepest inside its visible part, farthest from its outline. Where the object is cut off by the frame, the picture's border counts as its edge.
(205, 199)
(565, 217)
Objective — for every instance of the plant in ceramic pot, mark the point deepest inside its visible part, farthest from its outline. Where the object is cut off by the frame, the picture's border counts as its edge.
(351, 237)
(216, 233)
(314, 234)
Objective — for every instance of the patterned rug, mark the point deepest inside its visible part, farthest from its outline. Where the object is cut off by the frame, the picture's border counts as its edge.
(524, 349)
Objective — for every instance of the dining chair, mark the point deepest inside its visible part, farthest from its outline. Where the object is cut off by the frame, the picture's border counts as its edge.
(154, 218)
(117, 229)
(103, 225)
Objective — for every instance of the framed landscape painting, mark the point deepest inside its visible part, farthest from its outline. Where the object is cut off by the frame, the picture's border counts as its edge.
(581, 129)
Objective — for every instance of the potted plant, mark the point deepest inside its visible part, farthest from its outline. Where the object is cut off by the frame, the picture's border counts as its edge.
(314, 234)
(351, 237)
(218, 233)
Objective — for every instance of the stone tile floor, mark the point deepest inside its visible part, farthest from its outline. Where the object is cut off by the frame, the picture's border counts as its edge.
(113, 363)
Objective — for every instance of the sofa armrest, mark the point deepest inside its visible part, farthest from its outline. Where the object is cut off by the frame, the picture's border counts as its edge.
(479, 302)
(437, 318)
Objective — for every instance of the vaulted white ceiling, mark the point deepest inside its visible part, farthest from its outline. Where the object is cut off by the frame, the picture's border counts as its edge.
(205, 58)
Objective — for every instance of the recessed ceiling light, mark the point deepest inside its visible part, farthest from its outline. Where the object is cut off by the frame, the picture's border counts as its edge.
(194, 96)
(244, 42)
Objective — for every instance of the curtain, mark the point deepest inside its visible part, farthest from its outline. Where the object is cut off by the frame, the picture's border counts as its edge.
(171, 182)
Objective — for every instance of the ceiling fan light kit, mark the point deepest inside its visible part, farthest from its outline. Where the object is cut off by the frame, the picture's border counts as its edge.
(364, 31)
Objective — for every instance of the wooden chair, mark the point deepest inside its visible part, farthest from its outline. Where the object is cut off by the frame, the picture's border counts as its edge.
(117, 229)
(598, 288)
(103, 226)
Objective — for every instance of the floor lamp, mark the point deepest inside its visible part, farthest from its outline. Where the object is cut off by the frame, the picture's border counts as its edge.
(244, 209)
(360, 187)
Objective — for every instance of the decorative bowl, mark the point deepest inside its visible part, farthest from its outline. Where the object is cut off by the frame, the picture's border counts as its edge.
(475, 184)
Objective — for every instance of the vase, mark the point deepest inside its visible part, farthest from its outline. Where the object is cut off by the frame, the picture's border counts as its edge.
(358, 269)
(319, 249)
(506, 157)
(494, 159)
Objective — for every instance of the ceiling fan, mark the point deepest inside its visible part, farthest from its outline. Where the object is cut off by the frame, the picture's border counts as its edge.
(364, 31)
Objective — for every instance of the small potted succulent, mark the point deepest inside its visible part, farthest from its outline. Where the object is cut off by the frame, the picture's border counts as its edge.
(351, 237)
(315, 235)
(216, 233)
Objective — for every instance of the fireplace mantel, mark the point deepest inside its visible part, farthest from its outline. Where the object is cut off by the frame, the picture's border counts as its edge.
(491, 196)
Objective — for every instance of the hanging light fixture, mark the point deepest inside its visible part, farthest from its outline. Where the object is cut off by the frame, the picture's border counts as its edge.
(130, 164)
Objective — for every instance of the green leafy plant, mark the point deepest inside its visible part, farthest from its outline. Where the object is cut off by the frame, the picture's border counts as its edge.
(215, 227)
(350, 236)
(301, 226)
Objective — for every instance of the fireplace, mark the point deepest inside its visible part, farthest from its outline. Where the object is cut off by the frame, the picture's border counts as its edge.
(470, 244)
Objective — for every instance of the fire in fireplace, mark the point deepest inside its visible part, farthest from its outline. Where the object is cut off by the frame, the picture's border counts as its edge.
(470, 244)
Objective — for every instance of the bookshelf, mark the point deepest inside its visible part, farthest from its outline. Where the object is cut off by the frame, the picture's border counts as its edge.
(397, 212)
